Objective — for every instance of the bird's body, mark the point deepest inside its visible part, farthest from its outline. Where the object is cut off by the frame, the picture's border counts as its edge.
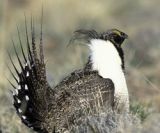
(83, 92)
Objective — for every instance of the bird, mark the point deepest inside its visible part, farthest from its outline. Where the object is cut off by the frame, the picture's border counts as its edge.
(99, 84)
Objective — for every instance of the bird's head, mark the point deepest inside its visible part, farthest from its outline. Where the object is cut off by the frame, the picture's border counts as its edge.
(115, 36)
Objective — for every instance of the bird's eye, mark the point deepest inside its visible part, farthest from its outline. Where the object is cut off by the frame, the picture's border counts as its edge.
(117, 39)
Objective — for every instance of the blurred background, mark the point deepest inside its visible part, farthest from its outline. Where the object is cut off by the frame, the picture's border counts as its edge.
(139, 19)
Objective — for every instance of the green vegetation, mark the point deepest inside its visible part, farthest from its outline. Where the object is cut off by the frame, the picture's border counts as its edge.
(139, 110)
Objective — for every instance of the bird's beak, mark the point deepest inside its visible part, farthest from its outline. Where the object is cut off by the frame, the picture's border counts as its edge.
(125, 36)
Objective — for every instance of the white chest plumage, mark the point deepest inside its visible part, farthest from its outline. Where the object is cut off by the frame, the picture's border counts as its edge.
(106, 60)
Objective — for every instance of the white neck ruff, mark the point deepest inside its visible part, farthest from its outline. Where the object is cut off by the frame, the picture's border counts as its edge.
(106, 60)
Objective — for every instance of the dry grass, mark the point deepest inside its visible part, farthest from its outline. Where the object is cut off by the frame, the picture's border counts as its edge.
(108, 122)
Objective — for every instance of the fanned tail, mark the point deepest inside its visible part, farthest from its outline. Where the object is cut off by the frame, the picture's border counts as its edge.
(33, 91)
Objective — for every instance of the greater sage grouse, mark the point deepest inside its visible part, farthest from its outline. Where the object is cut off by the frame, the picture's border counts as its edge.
(101, 83)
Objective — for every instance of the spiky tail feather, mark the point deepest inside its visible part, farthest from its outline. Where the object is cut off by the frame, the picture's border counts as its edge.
(30, 98)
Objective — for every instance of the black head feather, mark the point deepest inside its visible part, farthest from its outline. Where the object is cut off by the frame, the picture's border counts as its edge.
(84, 35)
(115, 36)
